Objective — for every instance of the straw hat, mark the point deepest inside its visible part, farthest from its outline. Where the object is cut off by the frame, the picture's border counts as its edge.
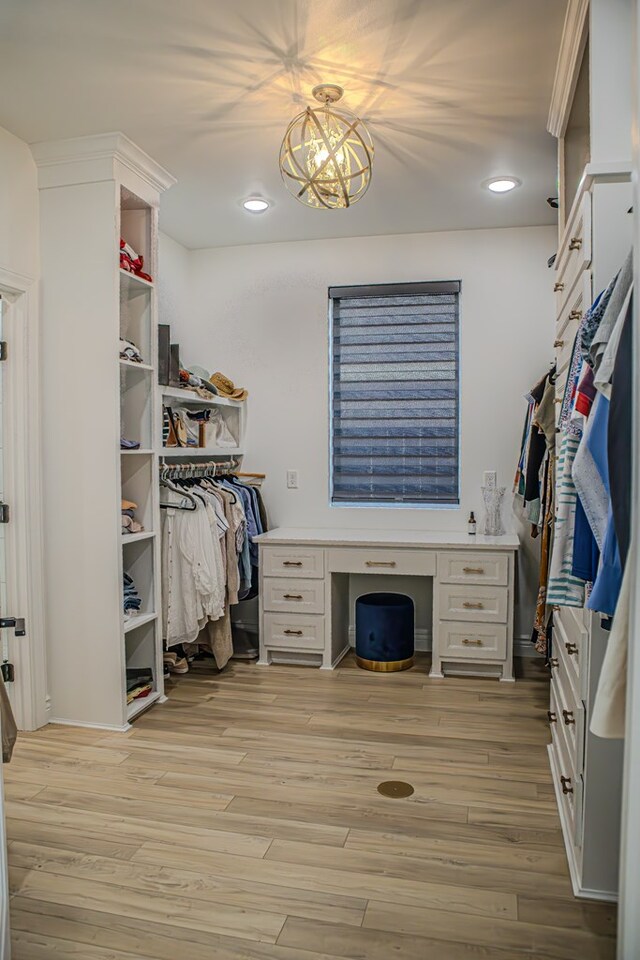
(227, 388)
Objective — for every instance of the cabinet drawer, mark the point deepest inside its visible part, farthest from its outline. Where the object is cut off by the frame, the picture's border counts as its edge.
(307, 562)
(379, 560)
(297, 596)
(569, 647)
(567, 715)
(575, 252)
(472, 603)
(293, 632)
(569, 319)
(564, 777)
(472, 641)
(490, 568)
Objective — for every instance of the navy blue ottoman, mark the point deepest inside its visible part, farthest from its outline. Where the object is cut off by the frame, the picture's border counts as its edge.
(384, 632)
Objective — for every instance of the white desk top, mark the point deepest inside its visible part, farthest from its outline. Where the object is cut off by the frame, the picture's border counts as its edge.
(337, 537)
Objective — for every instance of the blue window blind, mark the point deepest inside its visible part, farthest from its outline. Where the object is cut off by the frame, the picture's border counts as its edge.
(394, 394)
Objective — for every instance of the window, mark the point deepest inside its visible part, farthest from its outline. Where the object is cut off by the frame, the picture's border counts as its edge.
(394, 394)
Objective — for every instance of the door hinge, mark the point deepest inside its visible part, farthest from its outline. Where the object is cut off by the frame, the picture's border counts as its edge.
(17, 623)
(8, 672)
(4, 512)
(3, 350)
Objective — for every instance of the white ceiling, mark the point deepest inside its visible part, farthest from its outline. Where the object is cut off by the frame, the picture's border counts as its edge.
(455, 92)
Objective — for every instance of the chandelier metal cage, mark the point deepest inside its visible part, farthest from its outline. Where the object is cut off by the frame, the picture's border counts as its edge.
(326, 156)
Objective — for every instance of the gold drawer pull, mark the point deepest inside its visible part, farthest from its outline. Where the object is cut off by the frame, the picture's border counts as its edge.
(575, 315)
(551, 717)
(473, 606)
(558, 343)
(292, 633)
(575, 243)
(292, 596)
(572, 649)
(558, 286)
(553, 663)
(292, 563)
(564, 781)
(380, 563)
(473, 569)
(568, 717)
(475, 643)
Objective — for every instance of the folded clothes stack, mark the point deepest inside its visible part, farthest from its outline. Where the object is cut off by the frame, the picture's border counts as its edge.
(129, 444)
(131, 598)
(129, 522)
(139, 683)
(129, 351)
(132, 262)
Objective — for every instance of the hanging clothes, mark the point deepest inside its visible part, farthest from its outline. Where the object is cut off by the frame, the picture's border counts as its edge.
(209, 559)
(619, 439)
(534, 485)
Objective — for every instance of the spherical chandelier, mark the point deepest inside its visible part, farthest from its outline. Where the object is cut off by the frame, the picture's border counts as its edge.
(327, 154)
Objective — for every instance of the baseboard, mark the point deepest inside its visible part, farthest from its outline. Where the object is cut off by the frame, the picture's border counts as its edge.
(522, 647)
(113, 728)
(251, 626)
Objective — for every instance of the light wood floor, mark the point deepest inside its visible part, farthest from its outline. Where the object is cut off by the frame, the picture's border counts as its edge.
(241, 821)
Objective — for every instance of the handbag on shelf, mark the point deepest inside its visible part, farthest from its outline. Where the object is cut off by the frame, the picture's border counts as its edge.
(177, 436)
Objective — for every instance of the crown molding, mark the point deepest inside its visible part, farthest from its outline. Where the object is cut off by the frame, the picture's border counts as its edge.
(82, 159)
(574, 38)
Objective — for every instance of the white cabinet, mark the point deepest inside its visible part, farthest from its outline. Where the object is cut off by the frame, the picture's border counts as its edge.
(94, 191)
(305, 607)
(593, 124)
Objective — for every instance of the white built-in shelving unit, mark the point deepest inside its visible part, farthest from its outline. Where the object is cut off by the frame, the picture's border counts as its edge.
(233, 412)
(93, 191)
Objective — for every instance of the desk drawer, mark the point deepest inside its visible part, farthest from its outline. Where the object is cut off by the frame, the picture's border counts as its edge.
(459, 567)
(472, 641)
(420, 563)
(293, 632)
(303, 562)
(473, 603)
(296, 596)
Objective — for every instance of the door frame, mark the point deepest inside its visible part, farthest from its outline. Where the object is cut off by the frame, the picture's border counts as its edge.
(23, 492)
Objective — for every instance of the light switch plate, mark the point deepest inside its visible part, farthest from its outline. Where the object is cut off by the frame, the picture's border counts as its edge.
(292, 479)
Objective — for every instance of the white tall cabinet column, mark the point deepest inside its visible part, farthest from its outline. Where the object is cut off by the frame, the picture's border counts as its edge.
(591, 116)
(93, 191)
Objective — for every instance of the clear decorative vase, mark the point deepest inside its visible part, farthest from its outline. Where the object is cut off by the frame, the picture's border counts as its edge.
(493, 498)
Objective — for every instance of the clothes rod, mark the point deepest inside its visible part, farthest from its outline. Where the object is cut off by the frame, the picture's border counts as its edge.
(212, 468)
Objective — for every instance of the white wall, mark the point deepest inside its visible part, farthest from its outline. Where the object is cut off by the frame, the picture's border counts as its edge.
(174, 295)
(259, 314)
(18, 207)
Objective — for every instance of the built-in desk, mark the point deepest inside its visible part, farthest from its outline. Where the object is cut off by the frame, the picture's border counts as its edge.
(304, 593)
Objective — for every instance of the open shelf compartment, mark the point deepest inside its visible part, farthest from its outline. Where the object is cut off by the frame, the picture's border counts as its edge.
(140, 649)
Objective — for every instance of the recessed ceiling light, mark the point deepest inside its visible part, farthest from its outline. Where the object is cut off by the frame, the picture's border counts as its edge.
(256, 204)
(502, 184)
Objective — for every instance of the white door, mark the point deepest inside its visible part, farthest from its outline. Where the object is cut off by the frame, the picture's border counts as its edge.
(4, 881)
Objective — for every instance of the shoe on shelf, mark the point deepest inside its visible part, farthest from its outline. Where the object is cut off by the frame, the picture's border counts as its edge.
(169, 656)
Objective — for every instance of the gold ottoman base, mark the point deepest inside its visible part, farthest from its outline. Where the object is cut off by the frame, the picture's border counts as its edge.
(389, 666)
